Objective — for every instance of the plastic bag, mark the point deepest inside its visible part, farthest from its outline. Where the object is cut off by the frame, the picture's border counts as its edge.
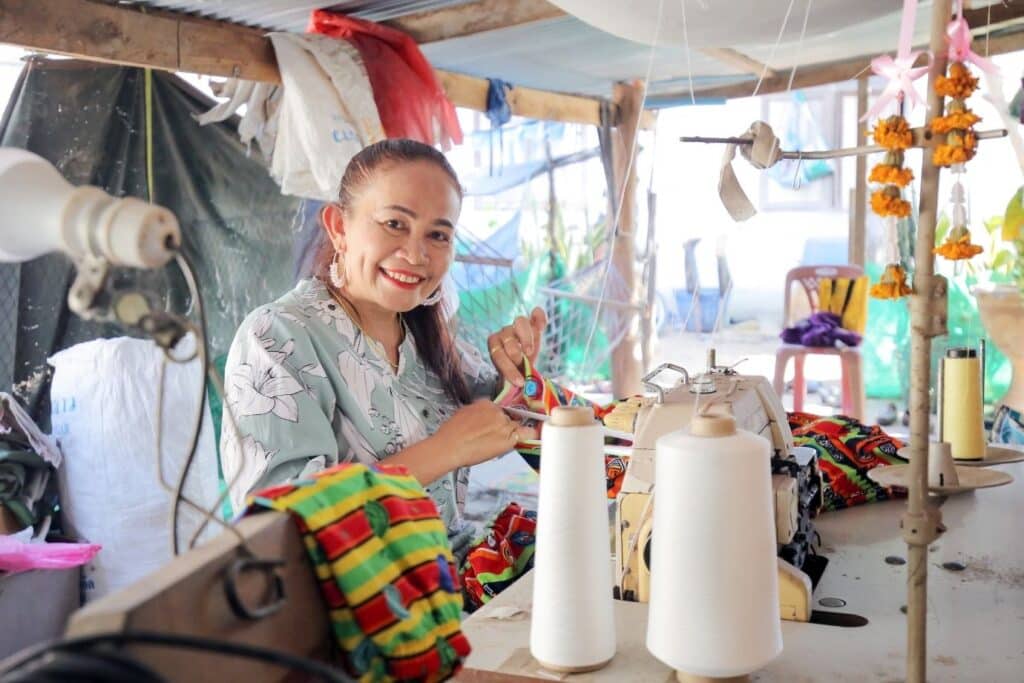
(103, 411)
(802, 135)
(326, 116)
(410, 101)
(16, 556)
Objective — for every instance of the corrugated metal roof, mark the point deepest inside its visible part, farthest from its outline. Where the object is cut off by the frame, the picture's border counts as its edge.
(292, 15)
(567, 55)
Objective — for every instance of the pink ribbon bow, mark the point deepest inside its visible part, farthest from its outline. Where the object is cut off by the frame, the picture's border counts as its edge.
(958, 34)
(899, 72)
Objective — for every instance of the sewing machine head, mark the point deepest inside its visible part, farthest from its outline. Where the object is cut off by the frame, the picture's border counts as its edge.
(753, 403)
(750, 399)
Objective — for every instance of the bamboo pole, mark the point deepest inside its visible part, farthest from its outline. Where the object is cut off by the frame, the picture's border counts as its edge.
(628, 98)
(858, 209)
(919, 523)
(922, 138)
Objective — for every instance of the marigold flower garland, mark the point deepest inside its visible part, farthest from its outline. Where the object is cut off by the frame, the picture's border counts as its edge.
(958, 147)
(895, 136)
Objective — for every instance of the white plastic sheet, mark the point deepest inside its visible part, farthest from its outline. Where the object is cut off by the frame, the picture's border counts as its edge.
(103, 412)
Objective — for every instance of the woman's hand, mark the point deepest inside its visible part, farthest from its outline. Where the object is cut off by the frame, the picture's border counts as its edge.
(479, 432)
(512, 343)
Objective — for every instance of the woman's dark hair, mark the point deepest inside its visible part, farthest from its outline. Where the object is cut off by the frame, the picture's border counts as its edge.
(434, 337)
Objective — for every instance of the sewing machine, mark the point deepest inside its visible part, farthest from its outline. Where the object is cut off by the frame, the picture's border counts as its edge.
(752, 401)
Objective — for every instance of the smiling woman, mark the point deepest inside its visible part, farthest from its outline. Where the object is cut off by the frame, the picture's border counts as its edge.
(358, 363)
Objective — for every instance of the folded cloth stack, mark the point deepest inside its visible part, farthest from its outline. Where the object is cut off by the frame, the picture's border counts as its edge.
(386, 573)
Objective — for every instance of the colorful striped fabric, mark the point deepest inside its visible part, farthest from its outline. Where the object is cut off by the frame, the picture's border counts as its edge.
(847, 450)
(505, 554)
(386, 572)
(542, 395)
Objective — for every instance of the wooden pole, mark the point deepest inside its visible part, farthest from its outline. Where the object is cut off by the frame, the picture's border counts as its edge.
(858, 210)
(919, 523)
(626, 371)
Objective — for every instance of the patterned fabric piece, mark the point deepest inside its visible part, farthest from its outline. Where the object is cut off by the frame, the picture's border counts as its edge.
(505, 554)
(847, 450)
(541, 395)
(309, 391)
(1008, 426)
(385, 569)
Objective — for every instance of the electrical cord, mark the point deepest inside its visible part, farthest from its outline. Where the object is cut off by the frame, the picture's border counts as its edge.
(203, 348)
(77, 659)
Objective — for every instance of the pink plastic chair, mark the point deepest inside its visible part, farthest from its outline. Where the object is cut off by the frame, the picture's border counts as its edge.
(850, 359)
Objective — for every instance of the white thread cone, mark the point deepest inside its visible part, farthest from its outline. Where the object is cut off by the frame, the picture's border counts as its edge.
(573, 626)
(714, 584)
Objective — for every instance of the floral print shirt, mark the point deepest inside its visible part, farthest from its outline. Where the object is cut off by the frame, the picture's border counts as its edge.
(308, 390)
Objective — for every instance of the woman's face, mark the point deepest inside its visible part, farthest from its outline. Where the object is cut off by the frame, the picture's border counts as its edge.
(396, 239)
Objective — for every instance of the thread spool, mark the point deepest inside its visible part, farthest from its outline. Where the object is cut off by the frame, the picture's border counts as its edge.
(941, 469)
(572, 628)
(714, 609)
(962, 404)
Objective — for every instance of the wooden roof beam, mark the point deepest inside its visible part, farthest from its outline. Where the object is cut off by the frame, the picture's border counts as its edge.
(121, 34)
(474, 17)
(739, 61)
(1003, 15)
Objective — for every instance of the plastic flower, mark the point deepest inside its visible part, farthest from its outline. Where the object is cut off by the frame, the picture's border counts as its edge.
(955, 120)
(887, 174)
(957, 246)
(959, 82)
(893, 133)
(888, 202)
(893, 284)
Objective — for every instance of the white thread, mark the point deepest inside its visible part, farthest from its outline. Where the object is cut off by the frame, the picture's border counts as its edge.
(721, 489)
(572, 624)
(686, 39)
(800, 46)
(613, 233)
(771, 55)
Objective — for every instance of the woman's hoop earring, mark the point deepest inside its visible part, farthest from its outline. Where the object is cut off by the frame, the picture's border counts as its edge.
(434, 298)
(336, 273)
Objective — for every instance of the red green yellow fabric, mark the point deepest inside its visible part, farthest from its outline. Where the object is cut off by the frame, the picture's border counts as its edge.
(847, 450)
(505, 554)
(382, 559)
(542, 395)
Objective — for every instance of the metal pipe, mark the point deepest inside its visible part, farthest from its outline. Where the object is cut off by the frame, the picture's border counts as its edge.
(917, 521)
(922, 138)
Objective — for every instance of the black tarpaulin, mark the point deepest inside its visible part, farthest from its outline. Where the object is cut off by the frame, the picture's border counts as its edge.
(90, 121)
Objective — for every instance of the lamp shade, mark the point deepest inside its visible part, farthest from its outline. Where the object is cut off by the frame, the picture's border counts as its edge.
(41, 213)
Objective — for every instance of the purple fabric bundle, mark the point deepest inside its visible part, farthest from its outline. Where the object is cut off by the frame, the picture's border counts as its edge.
(821, 329)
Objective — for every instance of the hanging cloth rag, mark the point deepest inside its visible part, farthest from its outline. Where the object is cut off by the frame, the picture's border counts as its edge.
(262, 102)
(762, 153)
(411, 102)
(386, 573)
(327, 114)
(319, 118)
(17, 426)
(499, 112)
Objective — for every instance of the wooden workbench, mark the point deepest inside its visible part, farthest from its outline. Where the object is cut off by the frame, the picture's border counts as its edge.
(975, 616)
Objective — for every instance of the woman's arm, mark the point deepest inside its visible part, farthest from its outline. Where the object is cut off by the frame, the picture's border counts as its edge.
(277, 409)
(474, 434)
